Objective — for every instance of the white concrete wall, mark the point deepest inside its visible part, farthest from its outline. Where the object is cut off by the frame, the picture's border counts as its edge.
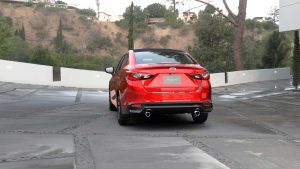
(217, 79)
(83, 78)
(17, 72)
(247, 76)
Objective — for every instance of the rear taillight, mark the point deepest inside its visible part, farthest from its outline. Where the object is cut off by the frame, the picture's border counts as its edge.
(139, 76)
(203, 76)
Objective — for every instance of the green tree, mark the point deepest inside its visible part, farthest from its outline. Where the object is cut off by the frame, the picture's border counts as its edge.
(16, 49)
(171, 19)
(296, 60)
(155, 10)
(138, 17)
(276, 50)
(5, 33)
(21, 32)
(215, 38)
(131, 28)
(23, 35)
(238, 21)
(59, 39)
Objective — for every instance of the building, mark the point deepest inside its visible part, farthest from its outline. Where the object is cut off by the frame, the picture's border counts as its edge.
(105, 17)
(188, 16)
(155, 20)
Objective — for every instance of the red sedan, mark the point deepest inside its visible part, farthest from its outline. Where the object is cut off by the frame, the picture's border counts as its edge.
(149, 81)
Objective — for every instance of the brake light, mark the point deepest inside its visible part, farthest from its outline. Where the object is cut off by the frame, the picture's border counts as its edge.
(139, 76)
(203, 76)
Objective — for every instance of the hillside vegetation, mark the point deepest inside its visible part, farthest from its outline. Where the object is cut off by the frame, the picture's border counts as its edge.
(41, 25)
(72, 38)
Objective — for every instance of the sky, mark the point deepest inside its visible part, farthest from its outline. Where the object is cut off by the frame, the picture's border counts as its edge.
(256, 8)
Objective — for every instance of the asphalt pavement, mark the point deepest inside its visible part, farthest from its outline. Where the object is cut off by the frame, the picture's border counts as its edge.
(253, 126)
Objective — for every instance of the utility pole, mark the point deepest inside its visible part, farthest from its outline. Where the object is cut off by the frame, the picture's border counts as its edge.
(98, 8)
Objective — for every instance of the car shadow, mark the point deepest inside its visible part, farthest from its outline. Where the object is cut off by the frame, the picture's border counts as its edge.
(167, 122)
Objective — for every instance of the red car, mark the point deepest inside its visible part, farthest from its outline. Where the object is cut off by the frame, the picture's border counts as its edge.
(149, 81)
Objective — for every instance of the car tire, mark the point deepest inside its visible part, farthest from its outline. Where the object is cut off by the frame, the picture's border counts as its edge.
(123, 119)
(111, 106)
(201, 118)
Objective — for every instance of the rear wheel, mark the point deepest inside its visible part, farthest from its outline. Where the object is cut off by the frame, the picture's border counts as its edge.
(201, 118)
(123, 119)
(111, 106)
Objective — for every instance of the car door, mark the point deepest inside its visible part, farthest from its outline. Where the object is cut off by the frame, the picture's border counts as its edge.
(114, 82)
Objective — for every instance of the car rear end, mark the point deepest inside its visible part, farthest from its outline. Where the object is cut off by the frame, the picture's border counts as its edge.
(166, 81)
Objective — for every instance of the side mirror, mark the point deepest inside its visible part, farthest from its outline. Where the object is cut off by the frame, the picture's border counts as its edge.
(110, 70)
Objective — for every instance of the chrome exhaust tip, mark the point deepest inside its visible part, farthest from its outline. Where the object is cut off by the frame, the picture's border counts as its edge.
(148, 113)
(197, 112)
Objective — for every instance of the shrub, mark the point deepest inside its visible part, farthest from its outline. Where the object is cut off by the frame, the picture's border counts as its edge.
(100, 43)
(149, 39)
(88, 12)
(184, 31)
(41, 35)
(164, 40)
(29, 3)
(85, 21)
(9, 20)
(118, 37)
(15, 49)
(41, 55)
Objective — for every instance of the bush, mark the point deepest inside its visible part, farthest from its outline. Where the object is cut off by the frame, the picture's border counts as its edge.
(15, 49)
(118, 37)
(164, 40)
(87, 62)
(149, 39)
(184, 31)
(41, 4)
(88, 12)
(41, 35)
(29, 3)
(9, 20)
(87, 23)
(100, 43)
(41, 55)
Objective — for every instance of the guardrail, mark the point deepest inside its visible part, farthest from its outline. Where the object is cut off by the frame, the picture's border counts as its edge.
(17, 72)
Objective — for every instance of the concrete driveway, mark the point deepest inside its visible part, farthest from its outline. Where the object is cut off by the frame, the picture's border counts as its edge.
(255, 125)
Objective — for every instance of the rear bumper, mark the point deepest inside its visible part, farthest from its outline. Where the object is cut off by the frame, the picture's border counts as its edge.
(169, 107)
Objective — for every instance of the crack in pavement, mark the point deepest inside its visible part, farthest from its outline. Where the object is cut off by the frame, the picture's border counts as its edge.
(8, 91)
(84, 158)
(78, 96)
(285, 135)
(229, 162)
(42, 157)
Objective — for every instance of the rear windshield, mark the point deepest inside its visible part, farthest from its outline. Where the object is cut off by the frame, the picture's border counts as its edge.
(162, 57)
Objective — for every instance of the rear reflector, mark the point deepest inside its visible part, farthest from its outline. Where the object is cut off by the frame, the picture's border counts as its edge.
(136, 105)
(207, 104)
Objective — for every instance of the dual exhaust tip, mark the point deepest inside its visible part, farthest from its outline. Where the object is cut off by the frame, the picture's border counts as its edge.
(148, 113)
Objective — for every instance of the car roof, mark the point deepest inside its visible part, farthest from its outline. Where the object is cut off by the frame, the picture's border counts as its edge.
(158, 49)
